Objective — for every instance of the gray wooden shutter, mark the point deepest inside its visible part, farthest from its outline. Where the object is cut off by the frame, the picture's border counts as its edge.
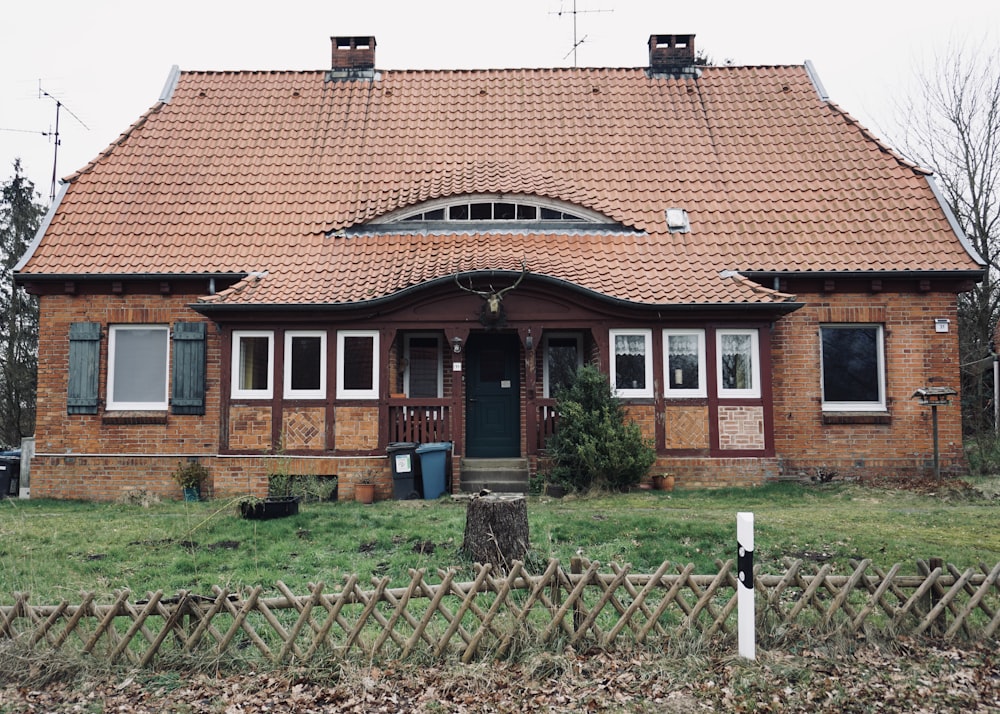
(188, 396)
(84, 367)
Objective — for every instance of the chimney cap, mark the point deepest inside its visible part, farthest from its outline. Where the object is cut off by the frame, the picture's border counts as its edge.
(353, 57)
(672, 54)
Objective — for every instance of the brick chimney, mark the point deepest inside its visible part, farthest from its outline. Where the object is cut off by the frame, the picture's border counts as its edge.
(671, 54)
(353, 54)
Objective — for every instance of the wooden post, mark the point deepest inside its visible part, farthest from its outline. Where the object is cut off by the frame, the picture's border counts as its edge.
(576, 568)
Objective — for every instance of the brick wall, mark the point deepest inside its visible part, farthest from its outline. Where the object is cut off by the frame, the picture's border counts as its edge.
(356, 428)
(915, 356)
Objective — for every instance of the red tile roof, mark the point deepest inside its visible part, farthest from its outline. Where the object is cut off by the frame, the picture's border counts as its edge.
(264, 172)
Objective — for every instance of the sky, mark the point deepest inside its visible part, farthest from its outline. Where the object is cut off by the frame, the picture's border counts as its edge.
(105, 61)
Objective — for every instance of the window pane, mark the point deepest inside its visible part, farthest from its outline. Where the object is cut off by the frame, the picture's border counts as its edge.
(503, 211)
(549, 214)
(527, 213)
(306, 362)
(459, 213)
(482, 211)
(423, 366)
(737, 361)
(630, 362)
(436, 215)
(253, 363)
(682, 362)
(563, 361)
(140, 364)
(850, 364)
(358, 362)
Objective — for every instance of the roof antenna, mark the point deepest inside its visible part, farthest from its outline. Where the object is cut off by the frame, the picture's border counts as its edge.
(55, 134)
(574, 12)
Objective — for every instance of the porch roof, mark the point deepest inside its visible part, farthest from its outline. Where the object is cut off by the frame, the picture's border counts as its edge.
(271, 174)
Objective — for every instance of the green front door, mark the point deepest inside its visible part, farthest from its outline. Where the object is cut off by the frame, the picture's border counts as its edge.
(493, 396)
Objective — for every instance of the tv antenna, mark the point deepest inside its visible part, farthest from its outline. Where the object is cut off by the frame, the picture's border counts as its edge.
(574, 12)
(55, 134)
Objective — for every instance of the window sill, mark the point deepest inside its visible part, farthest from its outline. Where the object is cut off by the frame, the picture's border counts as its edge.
(857, 418)
(133, 418)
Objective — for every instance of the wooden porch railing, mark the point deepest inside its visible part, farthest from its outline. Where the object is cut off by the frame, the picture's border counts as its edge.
(545, 422)
(422, 422)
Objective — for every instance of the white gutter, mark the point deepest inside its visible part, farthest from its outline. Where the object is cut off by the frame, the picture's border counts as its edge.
(814, 78)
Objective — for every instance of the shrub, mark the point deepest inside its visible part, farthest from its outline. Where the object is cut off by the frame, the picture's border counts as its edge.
(595, 446)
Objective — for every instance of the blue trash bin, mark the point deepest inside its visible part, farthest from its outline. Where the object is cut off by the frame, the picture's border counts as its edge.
(433, 458)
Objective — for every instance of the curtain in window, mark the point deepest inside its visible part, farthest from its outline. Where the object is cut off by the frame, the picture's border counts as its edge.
(253, 363)
(630, 361)
(682, 361)
(737, 361)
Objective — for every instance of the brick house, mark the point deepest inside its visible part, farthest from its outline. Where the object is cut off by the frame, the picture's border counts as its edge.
(309, 266)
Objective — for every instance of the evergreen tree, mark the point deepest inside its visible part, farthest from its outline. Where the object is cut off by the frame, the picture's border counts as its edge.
(20, 216)
(595, 444)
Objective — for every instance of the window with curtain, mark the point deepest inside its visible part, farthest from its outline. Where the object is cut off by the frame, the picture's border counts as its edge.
(138, 357)
(738, 363)
(684, 363)
(631, 363)
(253, 356)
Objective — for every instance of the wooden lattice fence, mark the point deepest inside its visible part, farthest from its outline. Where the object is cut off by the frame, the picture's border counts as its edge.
(497, 615)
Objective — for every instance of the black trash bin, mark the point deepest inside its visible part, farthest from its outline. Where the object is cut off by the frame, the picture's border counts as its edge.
(10, 475)
(403, 457)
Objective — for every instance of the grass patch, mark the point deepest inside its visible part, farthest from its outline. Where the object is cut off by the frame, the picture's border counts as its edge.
(55, 549)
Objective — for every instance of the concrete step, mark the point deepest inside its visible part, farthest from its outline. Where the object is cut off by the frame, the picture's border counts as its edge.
(499, 475)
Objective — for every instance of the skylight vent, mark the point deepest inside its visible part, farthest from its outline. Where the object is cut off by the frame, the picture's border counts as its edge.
(678, 221)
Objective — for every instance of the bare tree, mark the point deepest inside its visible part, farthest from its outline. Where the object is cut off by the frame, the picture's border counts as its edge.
(951, 125)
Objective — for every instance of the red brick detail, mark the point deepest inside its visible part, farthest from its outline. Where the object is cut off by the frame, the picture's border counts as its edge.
(686, 427)
(303, 428)
(741, 428)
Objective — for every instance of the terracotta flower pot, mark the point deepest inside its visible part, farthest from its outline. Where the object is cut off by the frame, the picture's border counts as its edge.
(668, 482)
(364, 493)
(657, 482)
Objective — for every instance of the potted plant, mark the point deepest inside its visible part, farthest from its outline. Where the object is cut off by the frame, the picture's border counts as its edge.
(280, 502)
(189, 477)
(364, 489)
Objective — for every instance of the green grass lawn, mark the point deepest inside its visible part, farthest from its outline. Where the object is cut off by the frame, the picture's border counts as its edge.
(55, 550)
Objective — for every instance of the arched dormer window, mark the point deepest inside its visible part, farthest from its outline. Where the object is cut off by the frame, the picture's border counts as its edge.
(499, 209)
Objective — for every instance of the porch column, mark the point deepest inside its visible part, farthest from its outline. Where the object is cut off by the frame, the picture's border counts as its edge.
(457, 362)
(530, 337)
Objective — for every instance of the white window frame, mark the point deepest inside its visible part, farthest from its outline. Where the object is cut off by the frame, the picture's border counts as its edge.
(641, 393)
(440, 360)
(678, 392)
(112, 353)
(877, 406)
(342, 392)
(546, 391)
(754, 391)
(288, 391)
(235, 391)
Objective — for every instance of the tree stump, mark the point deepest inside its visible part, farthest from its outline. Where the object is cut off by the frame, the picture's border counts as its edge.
(496, 529)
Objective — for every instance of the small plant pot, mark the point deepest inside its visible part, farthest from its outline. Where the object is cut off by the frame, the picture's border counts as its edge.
(364, 493)
(554, 490)
(658, 482)
(668, 482)
(269, 508)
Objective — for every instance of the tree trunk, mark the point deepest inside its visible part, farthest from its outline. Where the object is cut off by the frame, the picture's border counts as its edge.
(496, 529)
